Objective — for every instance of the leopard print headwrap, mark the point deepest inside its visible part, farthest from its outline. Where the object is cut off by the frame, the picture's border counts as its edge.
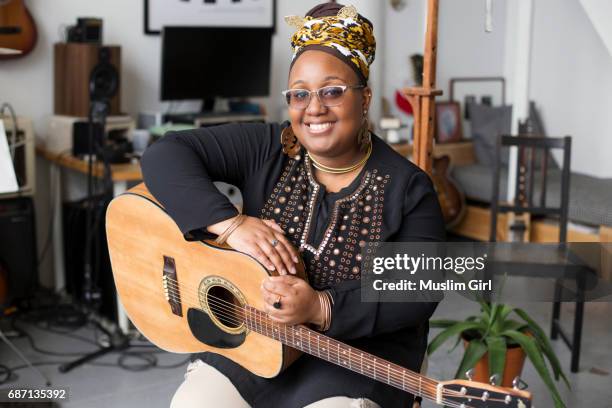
(349, 35)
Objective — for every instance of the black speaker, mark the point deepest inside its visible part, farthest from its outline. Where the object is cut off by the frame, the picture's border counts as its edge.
(18, 251)
(74, 214)
(104, 78)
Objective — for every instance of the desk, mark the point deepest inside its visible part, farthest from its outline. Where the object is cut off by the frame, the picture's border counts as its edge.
(121, 175)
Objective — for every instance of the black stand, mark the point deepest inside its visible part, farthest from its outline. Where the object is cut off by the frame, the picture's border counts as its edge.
(118, 342)
(91, 293)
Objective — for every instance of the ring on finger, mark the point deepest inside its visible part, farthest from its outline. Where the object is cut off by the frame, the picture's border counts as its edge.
(277, 304)
(274, 243)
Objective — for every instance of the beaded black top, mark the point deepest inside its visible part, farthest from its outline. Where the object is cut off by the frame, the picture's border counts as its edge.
(390, 200)
(353, 219)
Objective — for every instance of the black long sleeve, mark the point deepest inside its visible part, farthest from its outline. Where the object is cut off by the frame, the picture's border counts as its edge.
(180, 169)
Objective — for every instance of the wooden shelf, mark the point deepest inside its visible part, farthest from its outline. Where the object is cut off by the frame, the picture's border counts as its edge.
(460, 153)
(120, 172)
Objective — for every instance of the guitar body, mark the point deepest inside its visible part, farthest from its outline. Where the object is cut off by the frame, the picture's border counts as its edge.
(452, 200)
(142, 237)
(17, 28)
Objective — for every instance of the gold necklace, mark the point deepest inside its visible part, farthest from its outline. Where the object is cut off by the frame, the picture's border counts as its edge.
(341, 170)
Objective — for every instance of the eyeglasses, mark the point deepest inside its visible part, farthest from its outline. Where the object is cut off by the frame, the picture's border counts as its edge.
(329, 96)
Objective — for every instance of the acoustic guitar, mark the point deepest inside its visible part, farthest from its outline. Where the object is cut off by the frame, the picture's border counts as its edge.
(17, 29)
(451, 198)
(189, 297)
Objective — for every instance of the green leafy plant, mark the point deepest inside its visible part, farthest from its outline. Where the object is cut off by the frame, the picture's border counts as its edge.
(493, 331)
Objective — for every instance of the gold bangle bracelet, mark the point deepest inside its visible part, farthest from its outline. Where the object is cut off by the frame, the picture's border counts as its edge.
(239, 219)
(325, 304)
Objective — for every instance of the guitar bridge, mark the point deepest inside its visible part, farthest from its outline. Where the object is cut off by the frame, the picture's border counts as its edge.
(171, 287)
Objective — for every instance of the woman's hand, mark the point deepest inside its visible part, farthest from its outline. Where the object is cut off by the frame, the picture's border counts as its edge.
(264, 240)
(299, 301)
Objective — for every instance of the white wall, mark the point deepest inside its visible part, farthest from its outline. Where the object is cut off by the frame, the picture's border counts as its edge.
(571, 81)
(404, 32)
(600, 13)
(464, 48)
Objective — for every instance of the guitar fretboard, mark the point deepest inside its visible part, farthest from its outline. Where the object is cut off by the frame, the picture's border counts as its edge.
(316, 344)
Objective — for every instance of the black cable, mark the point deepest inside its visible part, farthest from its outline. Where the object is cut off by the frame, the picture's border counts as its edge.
(123, 355)
(34, 347)
(134, 360)
(5, 373)
(67, 334)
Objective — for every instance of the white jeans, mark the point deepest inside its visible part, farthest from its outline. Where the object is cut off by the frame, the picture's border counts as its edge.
(205, 387)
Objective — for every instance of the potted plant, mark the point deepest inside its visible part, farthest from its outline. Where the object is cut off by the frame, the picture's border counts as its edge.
(491, 341)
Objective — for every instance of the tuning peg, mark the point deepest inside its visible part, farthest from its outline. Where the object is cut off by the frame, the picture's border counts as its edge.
(493, 379)
(469, 374)
(519, 384)
(485, 396)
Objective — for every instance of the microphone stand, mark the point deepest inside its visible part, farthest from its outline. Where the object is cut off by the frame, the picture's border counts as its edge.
(91, 293)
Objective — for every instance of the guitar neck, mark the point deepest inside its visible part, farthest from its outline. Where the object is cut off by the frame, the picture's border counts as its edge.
(324, 347)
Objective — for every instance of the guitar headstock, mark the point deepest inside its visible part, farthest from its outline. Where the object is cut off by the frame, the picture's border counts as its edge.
(472, 394)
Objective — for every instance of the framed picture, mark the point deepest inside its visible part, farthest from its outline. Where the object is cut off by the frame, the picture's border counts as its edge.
(208, 13)
(448, 122)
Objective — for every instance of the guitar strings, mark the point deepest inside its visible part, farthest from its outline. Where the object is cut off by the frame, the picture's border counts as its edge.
(232, 319)
(219, 307)
(175, 288)
(396, 382)
(266, 326)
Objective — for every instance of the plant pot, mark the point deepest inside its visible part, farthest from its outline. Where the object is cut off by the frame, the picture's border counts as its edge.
(515, 359)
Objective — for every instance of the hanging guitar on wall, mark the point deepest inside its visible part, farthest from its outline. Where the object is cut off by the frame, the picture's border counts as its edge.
(18, 33)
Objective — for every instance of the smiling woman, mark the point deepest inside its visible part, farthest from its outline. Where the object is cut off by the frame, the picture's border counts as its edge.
(318, 188)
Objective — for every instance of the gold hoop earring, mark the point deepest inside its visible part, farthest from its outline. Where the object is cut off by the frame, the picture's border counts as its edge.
(289, 142)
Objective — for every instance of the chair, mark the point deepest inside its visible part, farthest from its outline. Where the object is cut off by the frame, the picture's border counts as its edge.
(530, 180)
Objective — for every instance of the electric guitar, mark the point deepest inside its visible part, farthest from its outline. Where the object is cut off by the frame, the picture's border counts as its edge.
(189, 297)
(17, 29)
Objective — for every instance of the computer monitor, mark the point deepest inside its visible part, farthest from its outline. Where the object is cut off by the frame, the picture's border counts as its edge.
(208, 62)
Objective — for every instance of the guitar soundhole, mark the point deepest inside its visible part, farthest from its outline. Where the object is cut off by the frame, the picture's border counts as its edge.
(225, 307)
